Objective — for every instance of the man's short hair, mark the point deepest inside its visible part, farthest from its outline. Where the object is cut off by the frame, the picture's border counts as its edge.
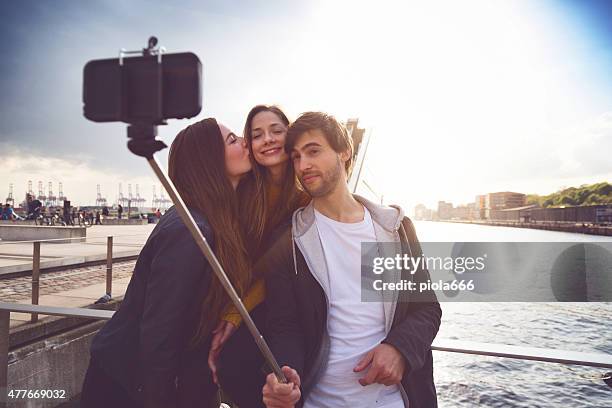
(335, 133)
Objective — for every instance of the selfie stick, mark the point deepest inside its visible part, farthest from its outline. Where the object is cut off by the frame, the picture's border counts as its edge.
(146, 148)
(142, 143)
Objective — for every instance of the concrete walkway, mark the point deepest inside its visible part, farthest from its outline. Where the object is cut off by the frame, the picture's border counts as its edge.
(127, 241)
(79, 285)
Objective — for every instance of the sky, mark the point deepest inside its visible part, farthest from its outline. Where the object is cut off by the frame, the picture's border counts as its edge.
(461, 98)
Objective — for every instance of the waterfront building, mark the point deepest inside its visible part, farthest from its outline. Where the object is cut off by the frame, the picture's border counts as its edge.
(503, 200)
(445, 210)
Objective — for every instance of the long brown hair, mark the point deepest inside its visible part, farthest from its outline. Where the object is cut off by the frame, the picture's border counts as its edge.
(196, 165)
(257, 218)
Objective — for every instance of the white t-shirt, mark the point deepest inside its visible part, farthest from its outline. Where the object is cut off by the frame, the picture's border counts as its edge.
(354, 327)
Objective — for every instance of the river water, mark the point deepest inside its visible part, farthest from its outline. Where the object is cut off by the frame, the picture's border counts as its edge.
(478, 381)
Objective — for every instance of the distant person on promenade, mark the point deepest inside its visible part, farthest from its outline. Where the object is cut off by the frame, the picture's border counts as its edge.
(68, 217)
(268, 197)
(53, 215)
(8, 213)
(98, 221)
(153, 352)
(105, 212)
(43, 215)
(119, 211)
(34, 207)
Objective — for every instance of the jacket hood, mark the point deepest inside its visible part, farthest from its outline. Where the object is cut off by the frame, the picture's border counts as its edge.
(388, 217)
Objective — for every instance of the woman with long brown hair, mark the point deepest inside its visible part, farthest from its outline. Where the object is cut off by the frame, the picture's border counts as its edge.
(152, 352)
(268, 197)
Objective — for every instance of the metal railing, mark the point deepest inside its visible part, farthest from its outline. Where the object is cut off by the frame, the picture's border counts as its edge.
(36, 266)
(5, 312)
(455, 346)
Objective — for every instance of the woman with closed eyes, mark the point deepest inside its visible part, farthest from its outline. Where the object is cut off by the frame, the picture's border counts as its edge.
(153, 352)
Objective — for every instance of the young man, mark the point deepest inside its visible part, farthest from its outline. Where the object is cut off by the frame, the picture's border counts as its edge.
(338, 351)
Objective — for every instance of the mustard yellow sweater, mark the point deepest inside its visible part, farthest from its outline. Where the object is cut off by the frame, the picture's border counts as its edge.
(257, 292)
(254, 296)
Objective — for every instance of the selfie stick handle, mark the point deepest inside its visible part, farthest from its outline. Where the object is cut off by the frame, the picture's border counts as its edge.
(143, 143)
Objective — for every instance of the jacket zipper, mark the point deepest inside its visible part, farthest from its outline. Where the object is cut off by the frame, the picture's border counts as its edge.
(318, 362)
(395, 297)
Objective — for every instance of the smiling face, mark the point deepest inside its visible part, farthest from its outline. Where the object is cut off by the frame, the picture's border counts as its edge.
(319, 168)
(237, 162)
(268, 134)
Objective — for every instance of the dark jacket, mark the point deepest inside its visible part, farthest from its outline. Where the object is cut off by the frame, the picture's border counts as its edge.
(144, 347)
(297, 309)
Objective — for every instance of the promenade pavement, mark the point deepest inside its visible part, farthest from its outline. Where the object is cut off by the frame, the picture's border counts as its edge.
(127, 241)
(76, 286)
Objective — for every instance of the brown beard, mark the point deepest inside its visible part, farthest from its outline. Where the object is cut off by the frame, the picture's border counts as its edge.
(329, 181)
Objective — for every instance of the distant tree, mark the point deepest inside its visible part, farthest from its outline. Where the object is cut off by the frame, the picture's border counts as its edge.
(586, 194)
(533, 199)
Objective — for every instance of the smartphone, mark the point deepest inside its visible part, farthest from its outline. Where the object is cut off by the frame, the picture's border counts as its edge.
(143, 89)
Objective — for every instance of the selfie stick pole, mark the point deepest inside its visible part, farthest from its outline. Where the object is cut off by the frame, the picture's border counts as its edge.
(142, 143)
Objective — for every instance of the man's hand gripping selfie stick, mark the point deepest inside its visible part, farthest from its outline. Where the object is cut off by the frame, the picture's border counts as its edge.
(142, 143)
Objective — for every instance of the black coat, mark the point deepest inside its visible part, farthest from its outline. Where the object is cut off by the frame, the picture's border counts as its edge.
(297, 319)
(144, 347)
